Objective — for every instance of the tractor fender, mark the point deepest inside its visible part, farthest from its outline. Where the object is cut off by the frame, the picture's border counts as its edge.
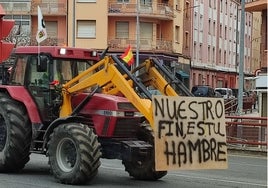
(60, 121)
(20, 94)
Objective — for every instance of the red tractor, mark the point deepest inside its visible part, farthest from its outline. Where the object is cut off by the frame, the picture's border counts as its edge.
(53, 105)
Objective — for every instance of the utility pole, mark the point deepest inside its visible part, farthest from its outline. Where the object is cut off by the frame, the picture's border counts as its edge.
(138, 33)
(241, 59)
(74, 23)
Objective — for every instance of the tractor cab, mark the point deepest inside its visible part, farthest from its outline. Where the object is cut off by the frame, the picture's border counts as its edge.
(42, 75)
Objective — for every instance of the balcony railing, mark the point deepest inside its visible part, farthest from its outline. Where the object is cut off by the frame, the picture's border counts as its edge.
(50, 8)
(50, 41)
(16, 7)
(145, 44)
(155, 10)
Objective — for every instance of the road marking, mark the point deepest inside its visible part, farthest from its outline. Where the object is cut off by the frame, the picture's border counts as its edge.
(218, 180)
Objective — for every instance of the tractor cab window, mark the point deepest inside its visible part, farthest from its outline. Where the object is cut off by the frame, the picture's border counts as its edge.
(62, 71)
(38, 72)
(19, 72)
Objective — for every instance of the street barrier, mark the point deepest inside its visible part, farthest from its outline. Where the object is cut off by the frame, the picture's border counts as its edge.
(247, 131)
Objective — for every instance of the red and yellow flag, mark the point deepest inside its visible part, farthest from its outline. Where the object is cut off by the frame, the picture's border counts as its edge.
(128, 56)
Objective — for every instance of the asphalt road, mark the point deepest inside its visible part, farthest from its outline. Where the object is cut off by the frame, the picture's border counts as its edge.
(243, 171)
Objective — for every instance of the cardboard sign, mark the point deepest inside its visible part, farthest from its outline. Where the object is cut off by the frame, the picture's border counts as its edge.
(189, 133)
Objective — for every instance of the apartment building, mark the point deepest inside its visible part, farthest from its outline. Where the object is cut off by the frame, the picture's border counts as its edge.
(19, 11)
(216, 31)
(153, 28)
(24, 12)
(259, 7)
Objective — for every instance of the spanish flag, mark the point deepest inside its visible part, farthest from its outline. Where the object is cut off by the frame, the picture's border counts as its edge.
(128, 56)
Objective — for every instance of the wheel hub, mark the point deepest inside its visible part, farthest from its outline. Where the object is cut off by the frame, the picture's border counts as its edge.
(66, 154)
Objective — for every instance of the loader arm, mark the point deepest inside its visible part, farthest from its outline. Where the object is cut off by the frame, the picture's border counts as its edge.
(101, 74)
(114, 78)
(152, 73)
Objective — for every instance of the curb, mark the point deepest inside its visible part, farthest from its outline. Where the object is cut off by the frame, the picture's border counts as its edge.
(255, 152)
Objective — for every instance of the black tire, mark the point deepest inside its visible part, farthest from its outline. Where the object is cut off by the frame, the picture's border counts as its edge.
(144, 170)
(15, 135)
(74, 153)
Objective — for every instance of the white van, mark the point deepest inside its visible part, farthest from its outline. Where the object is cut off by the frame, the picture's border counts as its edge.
(226, 93)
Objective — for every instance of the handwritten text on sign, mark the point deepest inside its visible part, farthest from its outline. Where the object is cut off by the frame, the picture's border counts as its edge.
(189, 133)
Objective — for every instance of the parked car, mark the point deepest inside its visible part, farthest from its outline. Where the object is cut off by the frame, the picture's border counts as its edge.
(226, 93)
(203, 91)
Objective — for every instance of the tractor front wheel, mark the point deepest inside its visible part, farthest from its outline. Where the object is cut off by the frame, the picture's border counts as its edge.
(74, 153)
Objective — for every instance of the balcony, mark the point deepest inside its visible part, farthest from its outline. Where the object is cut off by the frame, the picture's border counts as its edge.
(16, 8)
(154, 10)
(258, 5)
(158, 45)
(50, 41)
(51, 8)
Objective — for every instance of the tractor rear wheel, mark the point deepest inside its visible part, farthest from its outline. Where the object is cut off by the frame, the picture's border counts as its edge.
(15, 135)
(144, 170)
(74, 153)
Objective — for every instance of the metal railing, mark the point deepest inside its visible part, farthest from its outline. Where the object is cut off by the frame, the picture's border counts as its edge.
(145, 44)
(231, 105)
(247, 131)
(156, 10)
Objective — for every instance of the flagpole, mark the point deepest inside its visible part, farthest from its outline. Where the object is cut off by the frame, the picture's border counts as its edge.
(38, 52)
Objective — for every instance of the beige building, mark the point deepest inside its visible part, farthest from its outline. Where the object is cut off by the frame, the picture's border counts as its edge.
(157, 25)
(87, 24)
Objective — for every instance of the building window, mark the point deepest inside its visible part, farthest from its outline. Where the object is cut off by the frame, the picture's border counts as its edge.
(201, 23)
(220, 60)
(224, 57)
(178, 5)
(209, 26)
(214, 28)
(195, 21)
(200, 79)
(122, 30)
(187, 9)
(226, 7)
(194, 50)
(186, 40)
(194, 79)
(225, 32)
(86, 1)
(144, 2)
(209, 54)
(122, 1)
(146, 34)
(213, 54)
(220, 30)
(86, 29)
(200, 51)
(177, 34)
